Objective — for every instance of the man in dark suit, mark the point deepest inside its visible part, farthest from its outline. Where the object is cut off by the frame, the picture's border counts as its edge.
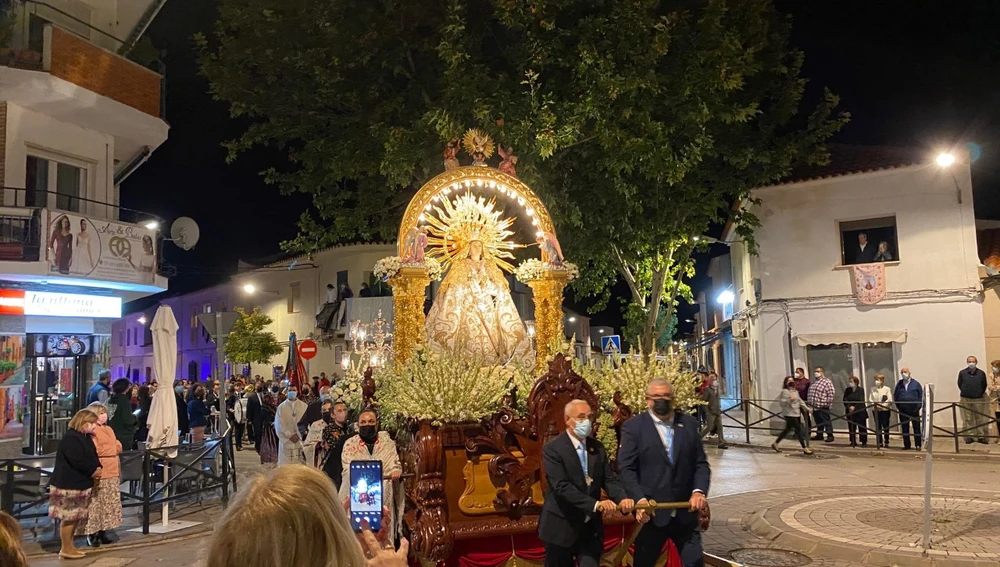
(254, 417)
(864, 252)
(662, 458)
(577, 468)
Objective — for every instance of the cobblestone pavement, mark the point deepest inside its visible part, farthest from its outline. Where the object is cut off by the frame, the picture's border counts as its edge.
(835, 495)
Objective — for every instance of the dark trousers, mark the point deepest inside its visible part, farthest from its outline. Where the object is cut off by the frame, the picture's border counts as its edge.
(857, 426)
(882, 427)
(238, 429)
(251, 437)
(792, 425)
(586, 553)
(905, 419)
(258, 427)
(649, 544)
(823, 422)
(997, 415)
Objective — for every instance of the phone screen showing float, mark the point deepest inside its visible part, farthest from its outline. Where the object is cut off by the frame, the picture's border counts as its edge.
(366, 494)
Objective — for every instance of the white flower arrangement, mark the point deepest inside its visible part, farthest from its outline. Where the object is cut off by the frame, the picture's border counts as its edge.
(534, 269)
(630, 376)
(388, 267)
(443, 387)
(348, 389)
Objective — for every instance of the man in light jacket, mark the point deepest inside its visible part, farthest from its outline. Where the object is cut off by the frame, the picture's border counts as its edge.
(286, 427)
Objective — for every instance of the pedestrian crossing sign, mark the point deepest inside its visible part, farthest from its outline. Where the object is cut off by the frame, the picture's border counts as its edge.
(611, 344)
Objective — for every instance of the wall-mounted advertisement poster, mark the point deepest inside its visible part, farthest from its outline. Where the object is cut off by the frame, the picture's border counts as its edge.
(99, 249)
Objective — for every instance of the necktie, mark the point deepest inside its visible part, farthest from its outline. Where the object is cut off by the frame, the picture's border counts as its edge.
(583, 459)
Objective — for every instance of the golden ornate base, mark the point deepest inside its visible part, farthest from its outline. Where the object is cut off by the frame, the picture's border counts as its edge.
(548, 292)
(408, 292)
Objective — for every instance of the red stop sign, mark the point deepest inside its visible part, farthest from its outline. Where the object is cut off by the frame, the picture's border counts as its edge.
(308, 349)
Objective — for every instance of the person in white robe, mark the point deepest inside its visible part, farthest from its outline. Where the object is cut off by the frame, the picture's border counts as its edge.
(286, 427)
(373, 445)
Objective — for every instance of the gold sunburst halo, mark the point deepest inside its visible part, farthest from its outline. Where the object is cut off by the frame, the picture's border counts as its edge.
(475, 140)
(457, 223)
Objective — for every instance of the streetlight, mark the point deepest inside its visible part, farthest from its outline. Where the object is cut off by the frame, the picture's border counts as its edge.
(572, 319)
(725, 297)
(152, 225)
(250, 288)
(142, 320)
(945, 159)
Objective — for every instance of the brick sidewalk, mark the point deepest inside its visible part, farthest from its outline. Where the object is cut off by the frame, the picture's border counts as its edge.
(839, 527)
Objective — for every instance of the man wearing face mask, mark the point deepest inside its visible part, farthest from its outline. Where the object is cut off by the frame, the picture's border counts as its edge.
(577, 468)
(820, 399)
(909, 397)
(972, 389)
(336, 432)
(286, 427)
(370, 444)
(662, 458)
(313, 444)
(183, 426)
(881, 398)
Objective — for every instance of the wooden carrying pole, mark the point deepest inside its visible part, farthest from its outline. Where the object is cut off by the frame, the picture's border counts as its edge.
(652, 506)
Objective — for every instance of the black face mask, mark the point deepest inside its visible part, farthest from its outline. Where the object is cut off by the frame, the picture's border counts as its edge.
(790, 385)
(368, 433)
(328, 418)
(275, 389)
(662, 407)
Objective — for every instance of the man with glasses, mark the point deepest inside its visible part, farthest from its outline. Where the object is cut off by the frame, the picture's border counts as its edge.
(662, 458)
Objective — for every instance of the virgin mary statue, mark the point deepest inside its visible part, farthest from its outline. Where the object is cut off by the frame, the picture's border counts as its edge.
(474, 312)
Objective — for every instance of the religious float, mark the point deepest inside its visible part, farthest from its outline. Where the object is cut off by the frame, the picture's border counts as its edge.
(476, 393)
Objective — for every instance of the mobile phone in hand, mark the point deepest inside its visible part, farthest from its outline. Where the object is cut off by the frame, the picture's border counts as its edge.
(366, 494)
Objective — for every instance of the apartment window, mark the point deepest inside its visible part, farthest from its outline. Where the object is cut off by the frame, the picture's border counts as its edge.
(207, 308)
(222, 307)
(294, 297)
(54, 184)
(121, 339)
(870, 240)
(194, 317)
(129, 342)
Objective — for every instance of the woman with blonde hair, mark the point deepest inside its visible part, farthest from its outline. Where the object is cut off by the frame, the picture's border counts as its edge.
(76, 469)
(294, 519)
(11, 554)
(105, 510)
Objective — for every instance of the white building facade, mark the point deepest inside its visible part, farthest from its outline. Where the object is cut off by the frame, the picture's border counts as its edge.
(795, 303)
(76, 118)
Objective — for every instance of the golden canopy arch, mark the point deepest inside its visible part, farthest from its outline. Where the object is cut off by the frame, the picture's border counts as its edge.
(478, 180)
(410, 284)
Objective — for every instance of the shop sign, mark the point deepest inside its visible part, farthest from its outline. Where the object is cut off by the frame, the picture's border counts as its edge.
(100, 249)
(61, 345)
(21, 302)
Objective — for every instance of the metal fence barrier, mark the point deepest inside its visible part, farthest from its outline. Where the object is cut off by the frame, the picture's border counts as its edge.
(957, 430)
(199, 469)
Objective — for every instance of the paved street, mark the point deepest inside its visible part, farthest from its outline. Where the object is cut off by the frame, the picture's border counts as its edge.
(866, 501)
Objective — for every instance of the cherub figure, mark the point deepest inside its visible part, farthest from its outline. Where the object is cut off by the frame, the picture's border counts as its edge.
(509, 160)
(479, 145)
(451, 150)
(551, 251)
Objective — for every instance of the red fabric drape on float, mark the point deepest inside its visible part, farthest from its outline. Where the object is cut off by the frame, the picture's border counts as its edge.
(497, 551)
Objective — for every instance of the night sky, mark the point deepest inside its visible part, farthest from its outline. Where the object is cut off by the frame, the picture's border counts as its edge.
(921, 74)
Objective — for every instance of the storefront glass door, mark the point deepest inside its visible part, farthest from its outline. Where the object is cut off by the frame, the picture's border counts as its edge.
(52, 399)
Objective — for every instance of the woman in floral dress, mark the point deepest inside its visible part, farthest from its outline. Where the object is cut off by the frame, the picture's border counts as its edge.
(76, 469)
(105, 510)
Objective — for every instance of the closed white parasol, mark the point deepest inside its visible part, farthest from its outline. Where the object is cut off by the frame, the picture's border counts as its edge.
(163, 412)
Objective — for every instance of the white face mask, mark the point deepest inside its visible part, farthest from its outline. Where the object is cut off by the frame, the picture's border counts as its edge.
(972, 366)
(878, 383)
(906, 375)
(996, 369)
(817, 374)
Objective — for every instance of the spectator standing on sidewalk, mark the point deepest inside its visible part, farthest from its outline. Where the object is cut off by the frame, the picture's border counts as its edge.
(855, 412)
(820, 399)
(972, 389)
(792, 407)
(881, 398)
(993, 389)
(909, 397)
(713, 410)
(802, 387)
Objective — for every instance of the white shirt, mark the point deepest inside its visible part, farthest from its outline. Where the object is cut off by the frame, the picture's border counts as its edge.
(876, 397)
(576, 449)
(331, 294)
(666, 433)
(286, 422)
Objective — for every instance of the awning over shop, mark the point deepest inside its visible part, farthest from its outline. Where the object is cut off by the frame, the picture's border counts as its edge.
(813, 339)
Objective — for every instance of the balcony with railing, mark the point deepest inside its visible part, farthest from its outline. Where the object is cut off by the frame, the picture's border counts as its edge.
(53, 237)
(56, 62)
